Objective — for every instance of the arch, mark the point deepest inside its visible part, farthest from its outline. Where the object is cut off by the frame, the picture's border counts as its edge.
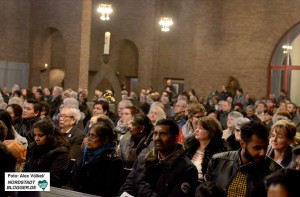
(285, 65)
(49, 48)
(123, 64)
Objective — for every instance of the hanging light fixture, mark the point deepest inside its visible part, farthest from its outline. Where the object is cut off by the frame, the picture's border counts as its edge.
(165, 22)
(104, 10)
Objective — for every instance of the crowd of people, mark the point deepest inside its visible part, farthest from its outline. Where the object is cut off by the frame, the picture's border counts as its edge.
(153, 144)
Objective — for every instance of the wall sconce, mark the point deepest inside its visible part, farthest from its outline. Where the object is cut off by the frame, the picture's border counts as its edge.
(104, 10)
(44, 69)
(165, 22)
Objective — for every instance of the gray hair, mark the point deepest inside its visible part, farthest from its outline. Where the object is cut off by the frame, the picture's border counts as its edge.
(71, 103)
(235, 114)
(74, 112)
(239, 122)
(127, 103)
(158, 104)
(15, 100)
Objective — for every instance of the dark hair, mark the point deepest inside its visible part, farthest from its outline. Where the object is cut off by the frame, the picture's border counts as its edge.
(173, 127)
(286, 178)
(240, 90)
(104, 104)
(210, 189)
(8, 164)
(213, 127)
(296, 150)
(3, 131)
(45, 107)
(143, 120)
(6, 118)
(54, 136)
(17, 110)
(104, 131)
(254, 128)
(35, 103)
(18, 93)
(270, 112)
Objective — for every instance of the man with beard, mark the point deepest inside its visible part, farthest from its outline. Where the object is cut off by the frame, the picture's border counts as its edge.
(165, 170)
(242, 172)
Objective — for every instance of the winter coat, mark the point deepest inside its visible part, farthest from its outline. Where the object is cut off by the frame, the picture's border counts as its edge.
(48, 158)
(176, 175)
(100, 176)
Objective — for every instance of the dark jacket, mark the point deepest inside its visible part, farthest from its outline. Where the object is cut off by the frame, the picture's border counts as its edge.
(287, 157)
(130, 148)
(48, 158)
(233, 143)
(25, 128)
(215, 146)
(74, 137)
(55, 104)
(223, 168)
(173, 176)
(100, 176)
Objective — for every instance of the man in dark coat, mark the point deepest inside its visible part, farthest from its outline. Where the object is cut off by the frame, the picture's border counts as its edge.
(68, 119)
(165, 170)
(30, 115)
(56, 100)
(242, 172)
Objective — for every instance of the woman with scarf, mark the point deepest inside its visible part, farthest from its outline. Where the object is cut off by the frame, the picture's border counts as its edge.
(98, 169)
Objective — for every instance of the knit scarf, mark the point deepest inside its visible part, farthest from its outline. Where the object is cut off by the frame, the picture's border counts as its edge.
(89, 155)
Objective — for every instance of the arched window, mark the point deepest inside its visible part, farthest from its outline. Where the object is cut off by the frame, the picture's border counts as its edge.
(285, 66)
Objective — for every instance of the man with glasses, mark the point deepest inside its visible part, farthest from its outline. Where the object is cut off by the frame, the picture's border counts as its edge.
(195, 111)
(179, 110)
(68, 119)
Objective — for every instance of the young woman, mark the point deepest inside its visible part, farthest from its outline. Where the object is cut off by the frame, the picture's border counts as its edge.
(48, 153)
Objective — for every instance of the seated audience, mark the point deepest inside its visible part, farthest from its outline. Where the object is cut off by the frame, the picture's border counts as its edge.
(138, 142)
(283, 183)
(235, 138)
(98, 169)
(68, 119)
(206, 142)
(48, 153)
(165, 170)
(281, 137)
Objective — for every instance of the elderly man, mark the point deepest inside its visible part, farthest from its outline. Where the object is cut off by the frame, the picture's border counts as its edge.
(68, 119)
(242, 172)
(165, 170)
(179, 110)
(56, 100)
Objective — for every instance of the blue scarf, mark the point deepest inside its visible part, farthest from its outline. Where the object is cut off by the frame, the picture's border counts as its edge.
(89, 155)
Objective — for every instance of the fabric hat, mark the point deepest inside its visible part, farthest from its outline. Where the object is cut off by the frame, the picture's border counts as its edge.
(17, 149)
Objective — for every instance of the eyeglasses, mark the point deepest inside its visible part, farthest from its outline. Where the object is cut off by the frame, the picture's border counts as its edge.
(64, 116)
